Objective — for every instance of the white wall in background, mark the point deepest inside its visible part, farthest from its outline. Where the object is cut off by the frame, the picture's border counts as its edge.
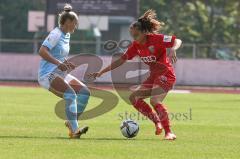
(189, 72)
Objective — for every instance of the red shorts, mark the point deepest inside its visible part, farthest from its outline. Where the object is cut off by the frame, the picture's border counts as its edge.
(165, 81)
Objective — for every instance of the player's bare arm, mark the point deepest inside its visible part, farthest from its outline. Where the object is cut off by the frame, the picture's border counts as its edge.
(176, 46)
(112, 66)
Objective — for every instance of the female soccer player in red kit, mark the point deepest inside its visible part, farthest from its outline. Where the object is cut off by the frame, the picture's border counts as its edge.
(151, 48)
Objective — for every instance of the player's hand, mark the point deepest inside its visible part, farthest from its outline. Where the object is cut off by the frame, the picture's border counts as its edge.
(173, 56)
(66, 65)
(70, 65)
(94, 75)
(63, 67)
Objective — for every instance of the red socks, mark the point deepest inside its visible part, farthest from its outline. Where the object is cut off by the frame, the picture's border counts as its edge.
(163, 115)
(146, 110)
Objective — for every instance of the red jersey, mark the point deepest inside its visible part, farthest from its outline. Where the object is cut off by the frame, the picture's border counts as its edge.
(153, 52)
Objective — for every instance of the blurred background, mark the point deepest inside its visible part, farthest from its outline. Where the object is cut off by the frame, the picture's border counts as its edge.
(210, 31)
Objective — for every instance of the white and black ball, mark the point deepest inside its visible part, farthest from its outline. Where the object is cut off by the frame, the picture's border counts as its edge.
(129, 128)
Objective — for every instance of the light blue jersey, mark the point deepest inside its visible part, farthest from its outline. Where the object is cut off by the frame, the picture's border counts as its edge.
(58, 44)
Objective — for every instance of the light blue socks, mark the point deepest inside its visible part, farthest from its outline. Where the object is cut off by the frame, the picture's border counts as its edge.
(75, 104)
(71, 108)
(82, 99)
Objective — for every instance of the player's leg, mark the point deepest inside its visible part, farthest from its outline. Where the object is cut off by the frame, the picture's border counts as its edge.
(83, 93)
(62, 89)
(156, 102)
(161, 109)
(137, 100)
(166, 83)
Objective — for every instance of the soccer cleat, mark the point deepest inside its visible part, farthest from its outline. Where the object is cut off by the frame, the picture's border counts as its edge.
(158, 128)
(78, 133)
(170, 136)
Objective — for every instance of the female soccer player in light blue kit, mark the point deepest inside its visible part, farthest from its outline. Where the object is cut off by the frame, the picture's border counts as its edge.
(53, 69)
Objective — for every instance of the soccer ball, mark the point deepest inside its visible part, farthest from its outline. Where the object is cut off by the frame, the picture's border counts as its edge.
(129, 128)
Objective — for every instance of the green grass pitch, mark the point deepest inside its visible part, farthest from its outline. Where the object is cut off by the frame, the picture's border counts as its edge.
(30, 129)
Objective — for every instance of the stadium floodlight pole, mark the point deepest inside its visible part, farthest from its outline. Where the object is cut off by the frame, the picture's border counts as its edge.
(45, 16)
(98, 36)
(1, 18)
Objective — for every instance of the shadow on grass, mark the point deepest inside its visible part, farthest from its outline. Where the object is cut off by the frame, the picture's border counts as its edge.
(118, 139)
(31, 137)
(84, 139)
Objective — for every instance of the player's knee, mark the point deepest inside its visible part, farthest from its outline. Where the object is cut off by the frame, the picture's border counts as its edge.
(85, 93)
(70, 94)
(153, 102)
(133, 98)
(82, 99)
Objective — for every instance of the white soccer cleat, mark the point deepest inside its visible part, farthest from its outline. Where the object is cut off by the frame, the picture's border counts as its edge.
(170, 136)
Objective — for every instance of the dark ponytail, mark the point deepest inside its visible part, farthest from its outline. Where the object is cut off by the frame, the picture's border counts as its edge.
(148, 22)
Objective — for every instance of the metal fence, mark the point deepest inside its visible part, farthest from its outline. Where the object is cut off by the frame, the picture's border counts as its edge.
(210, 51)
(31, 46)
(191, 51)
